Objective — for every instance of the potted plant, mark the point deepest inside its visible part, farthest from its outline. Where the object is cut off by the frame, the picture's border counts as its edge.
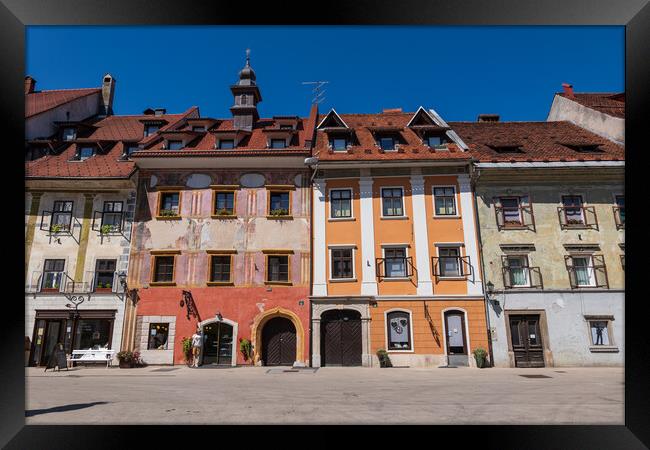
(224, 212)
(126, 359)
(279, 212)
(384, 359)
(187, 350)
(56, 228)
(481, 357)
(246, 349)
(168, 213)
(106, 229)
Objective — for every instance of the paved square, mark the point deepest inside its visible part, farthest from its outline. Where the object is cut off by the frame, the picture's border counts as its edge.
(329, 395)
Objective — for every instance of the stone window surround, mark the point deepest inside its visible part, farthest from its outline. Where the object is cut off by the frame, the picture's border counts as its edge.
(612, 347)
(142, 339)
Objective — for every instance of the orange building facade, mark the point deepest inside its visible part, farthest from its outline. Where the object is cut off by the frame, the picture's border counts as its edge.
(395, 253)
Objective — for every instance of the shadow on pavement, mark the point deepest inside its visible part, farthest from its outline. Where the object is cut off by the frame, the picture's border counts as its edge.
(73, 407)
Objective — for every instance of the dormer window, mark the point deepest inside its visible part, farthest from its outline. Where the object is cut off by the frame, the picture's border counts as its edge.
(339, 143)
(198, 128)
(507, 148)
(86, 152)
(386, 143)
(174, 145)
(286, 127)
(69, 133)
(278, 143)
(434, 141)
(226, 144)
(150, 129)
(130, 148)
(585, 148)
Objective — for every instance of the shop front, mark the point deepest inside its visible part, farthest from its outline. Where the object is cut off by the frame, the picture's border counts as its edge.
(84, 330)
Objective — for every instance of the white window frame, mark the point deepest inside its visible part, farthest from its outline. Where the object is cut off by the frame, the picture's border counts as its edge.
(526, 272)
(410, 313)
(331, 247)
(381, 195)
(433, 196)
(460, 247)
(590, 270)
(74, 134)
(406, 255)
(395, 144)
(583, 203)
(612, 346)
(344, 150)
(94, 149)
(329, 197)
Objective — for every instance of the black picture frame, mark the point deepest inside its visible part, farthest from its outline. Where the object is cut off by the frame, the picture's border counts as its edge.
(633, 14)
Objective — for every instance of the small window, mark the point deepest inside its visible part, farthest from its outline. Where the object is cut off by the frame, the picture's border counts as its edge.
(286, 127)
(52, 274)
(518, 270)
(510, 209)
(392, 204)
(278, 143)
(342, 263)
(158, 335)
(339, 143)
(277, 268)
(220, 268)
(112, 215)
(61, 215)
(130, 148)
(244, 99)
(69, 134)
(86, 152)
(163, 269)
(599, 332)
(224, 203)
(279, 204)
(169, 204)
(150, 129)
(584, 270)
(433, 141)
(226, 144)
(445, 201)
(104, 274)
(340, 203)
(174, 145)
(573, 209)
(399, 330)
(198, 128)
(449, 264)
(386, 143)
(395, 262)
(620, 206)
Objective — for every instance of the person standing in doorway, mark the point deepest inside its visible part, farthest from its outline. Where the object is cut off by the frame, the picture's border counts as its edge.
(196, 347)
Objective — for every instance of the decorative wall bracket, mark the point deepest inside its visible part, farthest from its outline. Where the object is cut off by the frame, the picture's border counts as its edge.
(188, 302)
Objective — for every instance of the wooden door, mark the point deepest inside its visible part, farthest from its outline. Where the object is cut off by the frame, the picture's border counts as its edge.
(526, 341)
(53, 335)
(341, 338)
(279, 342)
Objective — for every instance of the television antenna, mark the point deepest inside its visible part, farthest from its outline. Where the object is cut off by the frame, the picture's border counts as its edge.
(318, 90)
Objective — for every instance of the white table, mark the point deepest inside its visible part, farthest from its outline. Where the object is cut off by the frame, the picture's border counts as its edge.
(103, 355)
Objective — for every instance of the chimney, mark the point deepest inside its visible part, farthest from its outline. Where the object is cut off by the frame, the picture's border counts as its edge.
(160, 111)
(108, 92)
(488, 118)
(30, 84)
(392, 110)
(568, 89)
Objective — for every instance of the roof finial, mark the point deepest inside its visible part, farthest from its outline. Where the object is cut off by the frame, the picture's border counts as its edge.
(248, 57)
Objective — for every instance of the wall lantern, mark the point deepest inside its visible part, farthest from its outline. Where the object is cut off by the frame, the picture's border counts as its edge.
(491, 294)
(218, 316)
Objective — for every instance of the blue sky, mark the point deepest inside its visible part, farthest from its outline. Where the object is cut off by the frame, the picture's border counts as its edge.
(459, 71)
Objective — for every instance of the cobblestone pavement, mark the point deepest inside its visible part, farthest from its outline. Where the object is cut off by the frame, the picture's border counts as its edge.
(330, 395)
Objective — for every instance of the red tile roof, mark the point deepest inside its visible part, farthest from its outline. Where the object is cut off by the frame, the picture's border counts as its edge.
(538, 141)
(38, 102)
(114, 129)
(612, 104)
(364, 147)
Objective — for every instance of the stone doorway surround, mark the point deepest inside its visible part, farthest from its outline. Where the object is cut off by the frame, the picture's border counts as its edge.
(321, 304)
(543, 329)
(235, 337)
(258, 326)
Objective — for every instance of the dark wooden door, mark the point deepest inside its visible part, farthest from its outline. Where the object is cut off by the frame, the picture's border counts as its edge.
(279, 342)
(53, 335)
(526, 341)
(341, 338)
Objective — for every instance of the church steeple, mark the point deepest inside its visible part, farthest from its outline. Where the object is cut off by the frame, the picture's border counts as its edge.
(247, 96)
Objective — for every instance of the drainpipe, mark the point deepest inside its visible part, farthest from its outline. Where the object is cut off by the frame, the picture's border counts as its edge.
(314, 169)
(473, 181)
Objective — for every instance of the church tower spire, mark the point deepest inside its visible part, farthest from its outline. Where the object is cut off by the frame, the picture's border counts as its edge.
(247, 96)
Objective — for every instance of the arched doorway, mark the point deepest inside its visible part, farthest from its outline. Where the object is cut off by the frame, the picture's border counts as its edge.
(341, 338)
(278, 342)
(218, 339)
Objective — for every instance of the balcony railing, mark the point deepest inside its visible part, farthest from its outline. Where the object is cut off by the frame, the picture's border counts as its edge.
(394, 267)
(92, 283)
(451, 266)
(60, 221)
(522, 278)
(619, 217)
(520, 218)
(577, 217)
(590, 276)
(108, 222)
